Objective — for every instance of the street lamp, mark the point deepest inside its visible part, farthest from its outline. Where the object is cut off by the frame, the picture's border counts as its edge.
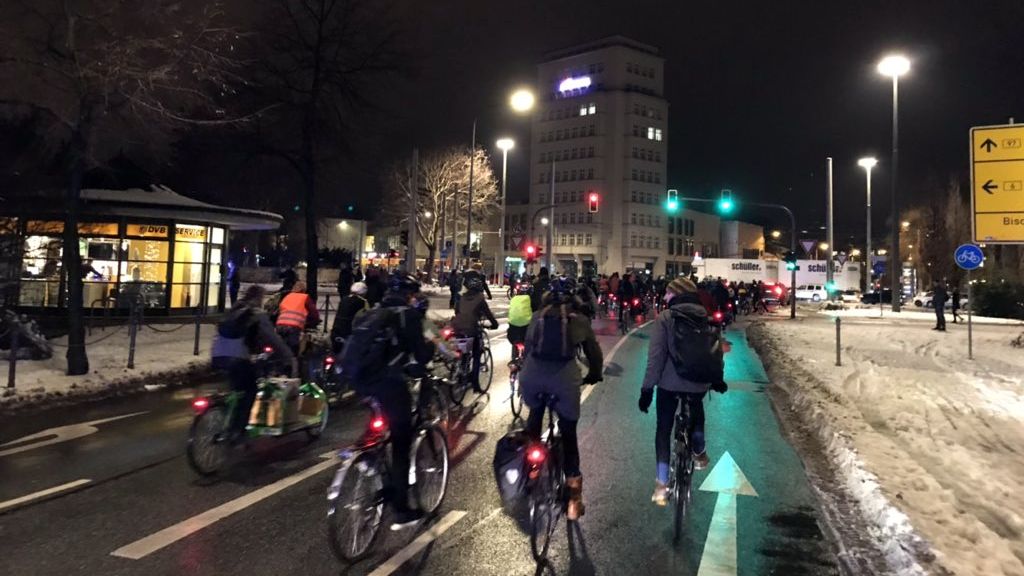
(895, 66)
(776, 234)
(505, 144)
(522, 100)
(867, 164)
(544, 221)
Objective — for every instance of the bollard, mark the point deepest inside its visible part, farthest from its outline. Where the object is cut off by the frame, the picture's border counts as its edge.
(133, 329)
(12, 366)
(327, 311)
(195, 346)
(839, 358)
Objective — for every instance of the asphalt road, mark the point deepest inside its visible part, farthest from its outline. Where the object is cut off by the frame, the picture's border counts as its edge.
(267, 515)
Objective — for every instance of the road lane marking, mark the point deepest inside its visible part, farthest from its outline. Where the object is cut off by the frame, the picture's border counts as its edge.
(719, 556)
(587, 391)
(170, 535)
(61, 434)
(413, 548)
(42, 493)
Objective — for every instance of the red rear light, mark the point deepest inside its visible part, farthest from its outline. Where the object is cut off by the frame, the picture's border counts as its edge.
(447, 333)
(718, 315)
(535, 455)
(377, 424)
(268, 349)
(200, 404)
(778, 290)
(636, 301)
(520, 347)
(329, 360)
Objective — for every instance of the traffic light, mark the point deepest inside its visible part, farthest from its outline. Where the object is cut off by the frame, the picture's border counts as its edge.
(404, 235)
(672, 202)
(725, 203)
(790, 259)
(830, 287)
(531, 253)
(593, 200)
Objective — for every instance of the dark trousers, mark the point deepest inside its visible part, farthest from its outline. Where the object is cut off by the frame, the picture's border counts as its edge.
(666, 405)
(956, 315)
(516, 335)
(570, 443)
(396, 403)
(478, 348)
(453, 301)
(242, 377)
(233, 291)
(940, 318)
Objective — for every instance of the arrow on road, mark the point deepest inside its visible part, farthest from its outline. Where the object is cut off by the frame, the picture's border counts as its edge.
(989, 186)
(988, 145)
(726, 478)
(59, 434)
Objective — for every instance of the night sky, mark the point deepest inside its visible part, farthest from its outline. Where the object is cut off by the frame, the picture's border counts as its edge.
(759, 92)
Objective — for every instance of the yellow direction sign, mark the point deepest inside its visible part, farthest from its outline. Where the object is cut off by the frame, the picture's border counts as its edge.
(997, 184)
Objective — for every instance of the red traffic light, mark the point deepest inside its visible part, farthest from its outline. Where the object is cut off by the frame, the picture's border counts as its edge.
(594, 199)
(593, 196)
(531, 250)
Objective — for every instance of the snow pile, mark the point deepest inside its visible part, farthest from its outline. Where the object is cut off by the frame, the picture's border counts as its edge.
(912, 313)
(927, 441)
(162, 357)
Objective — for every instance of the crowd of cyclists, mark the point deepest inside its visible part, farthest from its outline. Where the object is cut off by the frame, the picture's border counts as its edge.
(381, 334)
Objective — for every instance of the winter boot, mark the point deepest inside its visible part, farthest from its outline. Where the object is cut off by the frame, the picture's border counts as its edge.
(575, 508)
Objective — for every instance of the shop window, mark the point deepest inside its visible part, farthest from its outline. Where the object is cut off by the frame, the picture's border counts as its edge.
(40, 269)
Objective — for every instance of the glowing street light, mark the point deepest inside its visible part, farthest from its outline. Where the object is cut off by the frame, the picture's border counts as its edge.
(894, 66)
(823, 246)
(522, 100)
(544, 221)
(776, 234)
(867, 164)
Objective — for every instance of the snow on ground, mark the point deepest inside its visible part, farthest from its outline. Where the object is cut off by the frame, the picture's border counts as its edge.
(931, 444)
(166, 354)
(913, 313)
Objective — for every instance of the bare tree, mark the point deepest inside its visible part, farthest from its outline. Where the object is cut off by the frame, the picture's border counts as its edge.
(98, 71)
(443, 184)
(321, 64)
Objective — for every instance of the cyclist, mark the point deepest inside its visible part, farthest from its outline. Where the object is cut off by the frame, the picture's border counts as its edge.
(470, 310)
(476, 271)
(244, 328)
(351, 305)
(669, 354)
(540, 287)
(551, 340)
(296, 312)
(519, 314)
(407, 355)
(627, 292)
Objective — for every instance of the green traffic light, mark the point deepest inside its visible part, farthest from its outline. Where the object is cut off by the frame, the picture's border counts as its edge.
(672, 205)
(725, 205)
(790, 265)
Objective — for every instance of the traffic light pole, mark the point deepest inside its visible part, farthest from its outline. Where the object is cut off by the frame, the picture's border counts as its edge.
(792, 242)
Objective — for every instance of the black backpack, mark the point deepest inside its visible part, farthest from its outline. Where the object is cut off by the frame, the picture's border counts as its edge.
(237, 323)
(510, 468)
(696, 350)
(551, 338)
(371, 346)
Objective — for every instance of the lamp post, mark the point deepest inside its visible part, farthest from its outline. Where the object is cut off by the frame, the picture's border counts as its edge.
(895, 66)
(867, 164)
(505, 144)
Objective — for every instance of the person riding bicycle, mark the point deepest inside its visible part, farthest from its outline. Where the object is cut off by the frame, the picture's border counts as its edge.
(540, 287)
(587, 299)
(471, 309)
(627, 292)
(476, 273)
(684, 360)
(551, 368)
(296, 312)
(519, 314)
(400, 316)
(350, 306)
(244, 329)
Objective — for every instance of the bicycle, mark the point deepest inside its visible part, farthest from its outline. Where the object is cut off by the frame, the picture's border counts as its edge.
(549, 496)
(515, 393)
(356, 495)
(681, 467)
(461, 369)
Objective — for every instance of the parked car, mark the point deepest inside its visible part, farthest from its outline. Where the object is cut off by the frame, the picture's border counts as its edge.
(852, 296)
(873, 296)
(812, 292)
(921, 297)
(927, 303)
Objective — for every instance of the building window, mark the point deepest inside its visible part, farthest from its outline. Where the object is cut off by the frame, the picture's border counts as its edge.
(592, 108)
(542, 198)
(583, 110)
(632, 196)
(635, 155)
(671, 247)
(590, 173)
(589, 239)
(572, 218)
(632, 217)
(657, 221)
(634, 173)
(590, 152)
(632, 240)
(671, 226)
(657, 134)
(591, 131)
(575, 151)
(650, 132)
(657, 178)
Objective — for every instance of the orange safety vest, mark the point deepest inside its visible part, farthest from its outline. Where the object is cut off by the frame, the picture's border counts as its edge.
(292, 311)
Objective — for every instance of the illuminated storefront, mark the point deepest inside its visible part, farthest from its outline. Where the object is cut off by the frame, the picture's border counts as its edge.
(163, 250)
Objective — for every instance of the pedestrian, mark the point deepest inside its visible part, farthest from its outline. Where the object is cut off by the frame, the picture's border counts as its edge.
(345, 280)
(375, 286)
(955, 303)
(939, 302)
(234, 280)
(455, 286)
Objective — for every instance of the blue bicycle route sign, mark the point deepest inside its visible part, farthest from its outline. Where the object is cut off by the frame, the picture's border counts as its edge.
(968, 256)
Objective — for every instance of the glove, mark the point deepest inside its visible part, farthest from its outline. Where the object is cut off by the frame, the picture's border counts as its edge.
(494, 326)
(720, 387)
(646, 396)
(592, 379)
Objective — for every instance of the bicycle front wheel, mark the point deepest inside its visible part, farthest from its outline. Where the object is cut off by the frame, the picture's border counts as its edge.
(515, 395)
(486, 369)
(206, 455)
(356, 509)
(458, 383)
(430, 457)
(681, 491)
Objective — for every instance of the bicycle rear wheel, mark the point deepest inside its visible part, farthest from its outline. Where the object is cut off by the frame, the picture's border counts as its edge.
(681, 490)
(515, 395)
(458, 382)
(430, 457)
(356, 509)
(486, 369)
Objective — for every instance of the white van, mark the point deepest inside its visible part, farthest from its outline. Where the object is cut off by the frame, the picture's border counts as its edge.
(812, 292)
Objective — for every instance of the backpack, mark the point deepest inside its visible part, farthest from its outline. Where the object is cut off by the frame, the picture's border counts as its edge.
(510, 468)
(236, 324)
(272, 304)
(520, 311)
(370, 348)
(696, 351)
(551, 338)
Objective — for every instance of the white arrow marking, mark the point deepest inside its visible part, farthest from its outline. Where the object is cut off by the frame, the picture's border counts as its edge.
(726, 478)
(60, 434)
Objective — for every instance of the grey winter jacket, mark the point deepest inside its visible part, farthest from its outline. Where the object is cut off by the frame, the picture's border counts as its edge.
(237, 347)
(660, 370)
